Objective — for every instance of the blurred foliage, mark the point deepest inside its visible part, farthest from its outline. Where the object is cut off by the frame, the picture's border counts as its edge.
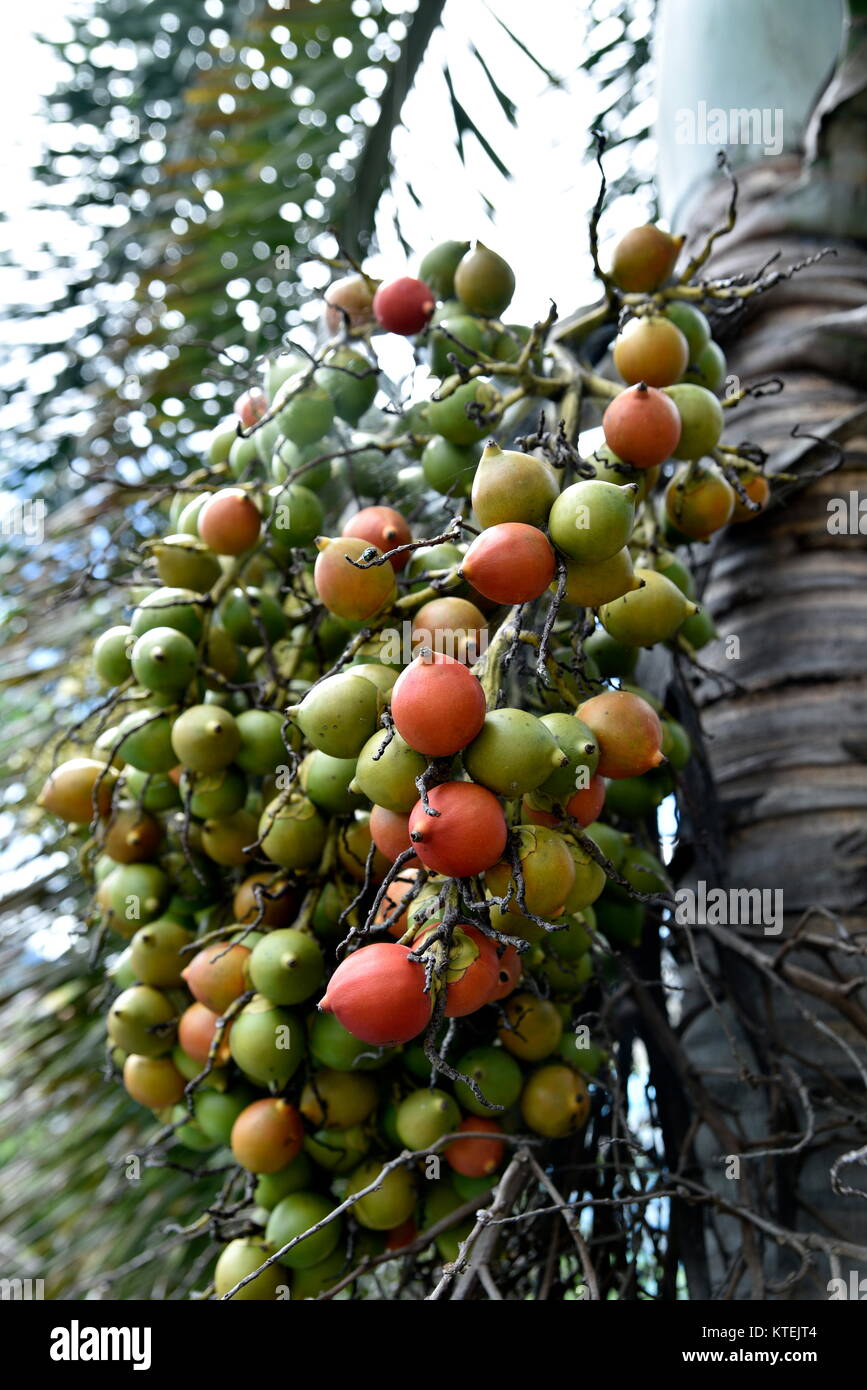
(201, 150)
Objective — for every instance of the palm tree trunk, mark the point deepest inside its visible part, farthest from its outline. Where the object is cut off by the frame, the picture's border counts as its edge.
(776, 1023)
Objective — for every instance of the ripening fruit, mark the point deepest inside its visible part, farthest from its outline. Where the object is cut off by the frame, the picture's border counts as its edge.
(456, 417)
(644, 258)
(484, 282)
(588, 586)
(350, 380)
(758, 489)
(651, 349)
(346, 590)
(476, 1157)
(650, 614)
(267, 1135)
(377, 993)
(403, 306)
(555, 1101)
(627, 730)
(250, 406)
(472, 970)
(239, 1258)
(218, 974)
(111, 655)
(513, 753)
(293, 833)
(153, 1081)
(701, 420)
(642, 426)
(510, 563)
(438, 705)
(155, 953)
(340, 714)
(286, 966)
(141, 1020)
(451, 625)
(584, 805)
(196, 1028)
(510, 968)
(266, 1042)
(229, 522)
(383, 527)
(467, 837)
(547, 868)
(294, 1215)
(533, 1027)
(590, 521)
(692, 323)
(396, 898)
(76, 787)
(511, 486)
(205, 738)
(392, 1201)
(353, 847)
(439, 265)
(699, 501)
(708, 369)
(349, 299)
(424, 1116)
(279, 900)
(497, 1075)
(389, 831)
(230, 840)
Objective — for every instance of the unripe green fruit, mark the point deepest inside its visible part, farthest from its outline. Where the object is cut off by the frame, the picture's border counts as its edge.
(611, 658)
(226, 839)
(440, 1199)
(574, 939)
(390, 1204)
(205, 738)
(449, 417)
(246, 452)
(133, 894)
(484, 282)
(511, 486)
(438, 267)
(701, 420)
(513, 754)
(146, 741)
(215, 794)
(555, 1102)
(221, 438)
(620, 922)
(579, 747)
(188, 518)
(609, 841)
(163, 660)
(286, 966)
(546, 864)
(239, 1259)
(708, 369)
(643, 871)
(298, 516)
(611, 469)
(310, 1283)
(306, 416)
(294, 1215)
(460, 336)
(288, 459)
(692, 324)
(337, 1099)
(185, 562)
(671, 565)
(351, 381)
(251, 616)
(155, 953)
(386, 771)
(293, 833)
(698, 630)
(279, 369)
(425, 1116)
(647, 615)
(448, 468)
(332, 1045)
(262, 748)
(634, 797)
(273, 1187)
(676, 745)
(431, 558)
(189, 1133)
(216, 1113)
(111, 655)
(587, 884)
(497, 1075)
(383, 677)
(601, 581)
(266, 1042)
(340, 714)
(141, 1020)
(591, 520)
(337, 1150)
(169, 607)
(327, 782)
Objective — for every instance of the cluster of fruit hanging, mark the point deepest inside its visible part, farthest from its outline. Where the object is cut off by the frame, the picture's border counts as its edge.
(273, 773)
